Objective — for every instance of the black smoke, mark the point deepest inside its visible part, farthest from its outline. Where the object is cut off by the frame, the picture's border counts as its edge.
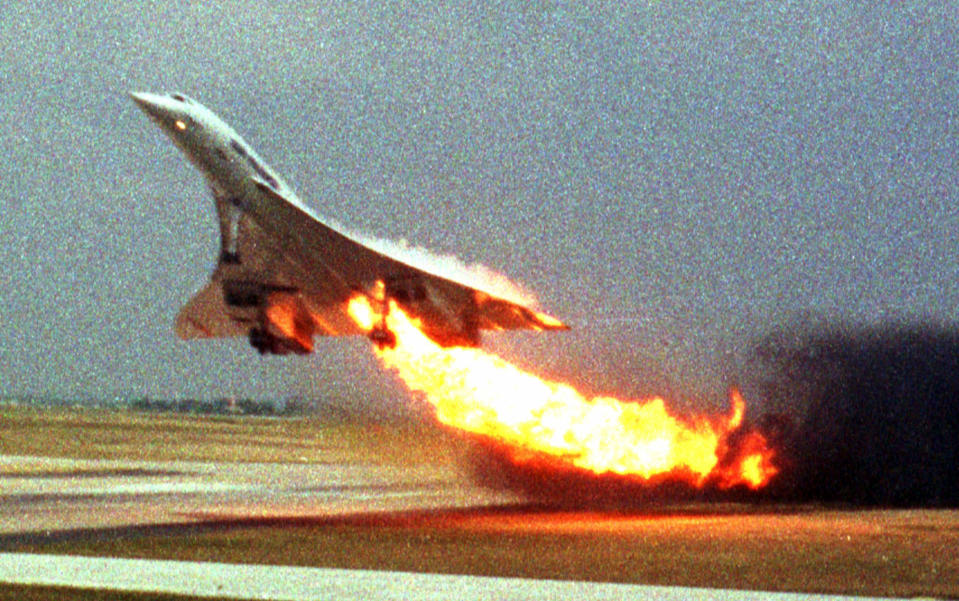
(864, 416)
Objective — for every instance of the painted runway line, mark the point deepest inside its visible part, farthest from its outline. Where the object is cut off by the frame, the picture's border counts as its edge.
(302, 583)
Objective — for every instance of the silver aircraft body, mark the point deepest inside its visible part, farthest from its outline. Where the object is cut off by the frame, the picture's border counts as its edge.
(284, 275)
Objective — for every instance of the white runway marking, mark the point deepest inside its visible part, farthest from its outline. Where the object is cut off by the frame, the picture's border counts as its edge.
(300, 583)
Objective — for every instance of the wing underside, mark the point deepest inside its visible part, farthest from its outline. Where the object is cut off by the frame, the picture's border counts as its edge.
(290, 275)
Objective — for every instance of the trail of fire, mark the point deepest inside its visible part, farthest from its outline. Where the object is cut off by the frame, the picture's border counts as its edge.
(482, 393)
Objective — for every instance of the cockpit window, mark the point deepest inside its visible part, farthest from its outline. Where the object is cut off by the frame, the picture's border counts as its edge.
(238, 148)
(264, 175)
(180, 98)
(255, 165)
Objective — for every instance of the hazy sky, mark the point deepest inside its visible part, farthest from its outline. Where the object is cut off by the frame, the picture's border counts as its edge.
(699, 171)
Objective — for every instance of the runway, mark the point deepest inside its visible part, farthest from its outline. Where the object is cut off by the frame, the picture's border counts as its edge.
(303, 584)
(44, 497)
(369, 515)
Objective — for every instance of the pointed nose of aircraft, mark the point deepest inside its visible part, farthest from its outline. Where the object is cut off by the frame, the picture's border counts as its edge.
(163, 111)
(151, 104)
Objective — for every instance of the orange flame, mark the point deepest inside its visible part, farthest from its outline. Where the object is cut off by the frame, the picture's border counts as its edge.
(481, 393)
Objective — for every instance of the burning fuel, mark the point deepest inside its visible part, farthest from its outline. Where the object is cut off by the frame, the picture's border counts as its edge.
(537, 420)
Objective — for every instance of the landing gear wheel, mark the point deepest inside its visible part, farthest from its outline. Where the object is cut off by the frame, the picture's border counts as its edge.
(259, 340)
(383, 338)
(381, 335)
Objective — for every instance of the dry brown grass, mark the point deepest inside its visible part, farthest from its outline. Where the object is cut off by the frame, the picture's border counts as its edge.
(899, 553)
(103, 434)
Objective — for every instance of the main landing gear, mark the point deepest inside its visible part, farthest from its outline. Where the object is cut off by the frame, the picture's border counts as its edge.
(381, 335)
(383, 338)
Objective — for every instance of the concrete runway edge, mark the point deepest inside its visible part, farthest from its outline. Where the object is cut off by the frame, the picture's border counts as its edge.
(300, 583)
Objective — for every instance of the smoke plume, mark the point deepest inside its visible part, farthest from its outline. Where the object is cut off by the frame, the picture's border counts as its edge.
(865, 415)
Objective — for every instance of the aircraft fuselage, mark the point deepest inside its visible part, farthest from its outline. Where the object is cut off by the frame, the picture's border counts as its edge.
(284, 275)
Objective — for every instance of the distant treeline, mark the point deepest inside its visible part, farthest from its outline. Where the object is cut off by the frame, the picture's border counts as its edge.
(195, 406)
(220, 407)
(226, 406)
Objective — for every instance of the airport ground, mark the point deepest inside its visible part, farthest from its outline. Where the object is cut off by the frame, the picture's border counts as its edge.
(390, 496)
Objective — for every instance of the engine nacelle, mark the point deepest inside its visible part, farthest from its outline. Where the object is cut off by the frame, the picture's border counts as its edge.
(267, 343)
(282, 323)
(446, 323)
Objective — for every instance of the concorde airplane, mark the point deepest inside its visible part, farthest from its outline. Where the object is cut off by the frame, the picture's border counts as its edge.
(284, 275)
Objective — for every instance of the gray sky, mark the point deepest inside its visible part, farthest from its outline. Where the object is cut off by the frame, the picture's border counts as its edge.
(701, 170)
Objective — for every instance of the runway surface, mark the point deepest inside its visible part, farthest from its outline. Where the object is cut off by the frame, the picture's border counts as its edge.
(41, 496)
(297, 583)
(47, 500)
